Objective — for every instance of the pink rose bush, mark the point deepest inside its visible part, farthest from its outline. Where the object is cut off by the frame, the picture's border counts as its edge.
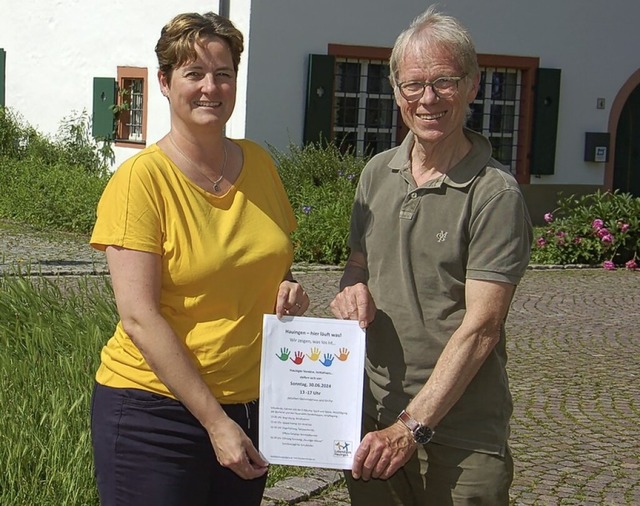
(596, 229)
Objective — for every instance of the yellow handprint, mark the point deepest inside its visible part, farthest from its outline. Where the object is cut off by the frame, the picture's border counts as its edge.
(315, 354)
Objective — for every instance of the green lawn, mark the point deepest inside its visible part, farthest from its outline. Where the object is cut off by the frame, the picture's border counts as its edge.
(51, 332)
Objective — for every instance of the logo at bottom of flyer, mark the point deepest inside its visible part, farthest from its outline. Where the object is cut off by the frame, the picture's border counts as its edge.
(342, 448)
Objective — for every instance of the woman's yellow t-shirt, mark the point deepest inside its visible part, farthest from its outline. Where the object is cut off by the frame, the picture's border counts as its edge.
(223, 258)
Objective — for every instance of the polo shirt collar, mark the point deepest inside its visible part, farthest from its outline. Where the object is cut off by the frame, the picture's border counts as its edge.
(461, 174)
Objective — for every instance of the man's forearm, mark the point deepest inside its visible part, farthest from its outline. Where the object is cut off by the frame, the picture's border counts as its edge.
(353, 274)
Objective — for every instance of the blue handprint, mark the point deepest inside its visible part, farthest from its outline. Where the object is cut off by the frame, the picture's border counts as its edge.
(328, 360)
(284, 354)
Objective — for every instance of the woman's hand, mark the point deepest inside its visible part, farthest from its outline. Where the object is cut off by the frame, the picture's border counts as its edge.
(136, 282)
(292, 299)
(234, 450)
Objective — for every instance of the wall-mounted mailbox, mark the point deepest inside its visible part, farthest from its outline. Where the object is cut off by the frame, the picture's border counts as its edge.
(596, 147)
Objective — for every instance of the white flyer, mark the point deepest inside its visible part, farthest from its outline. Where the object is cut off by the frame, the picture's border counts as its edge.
(311, 383)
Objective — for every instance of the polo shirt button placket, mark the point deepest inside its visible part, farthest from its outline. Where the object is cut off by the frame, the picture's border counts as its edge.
(409, 207)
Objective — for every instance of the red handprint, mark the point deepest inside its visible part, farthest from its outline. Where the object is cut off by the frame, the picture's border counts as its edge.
(299, 357)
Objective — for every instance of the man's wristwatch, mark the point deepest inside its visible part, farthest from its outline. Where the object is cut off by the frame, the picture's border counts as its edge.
(421, 433)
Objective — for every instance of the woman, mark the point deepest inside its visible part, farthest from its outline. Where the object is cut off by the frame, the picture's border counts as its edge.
(196, 233)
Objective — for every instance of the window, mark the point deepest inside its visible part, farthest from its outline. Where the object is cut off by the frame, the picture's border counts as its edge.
(365, 113)
(131, 106)
(503, 109)
(496, 111)
(350, 100)
(351, 103)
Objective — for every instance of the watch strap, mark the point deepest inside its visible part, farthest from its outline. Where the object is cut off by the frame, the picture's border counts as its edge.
(409, 422)
(421, 433)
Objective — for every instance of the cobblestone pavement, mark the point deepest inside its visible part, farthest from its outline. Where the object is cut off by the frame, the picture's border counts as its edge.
(574, 365)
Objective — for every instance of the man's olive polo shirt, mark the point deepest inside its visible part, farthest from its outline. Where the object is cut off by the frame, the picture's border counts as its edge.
(421, 244)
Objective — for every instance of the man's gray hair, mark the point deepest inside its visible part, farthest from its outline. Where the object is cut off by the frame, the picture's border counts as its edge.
(439, 30)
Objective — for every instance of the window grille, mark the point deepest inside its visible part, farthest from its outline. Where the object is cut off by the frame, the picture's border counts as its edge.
(134, 89)
(365, 113)
(496, 112)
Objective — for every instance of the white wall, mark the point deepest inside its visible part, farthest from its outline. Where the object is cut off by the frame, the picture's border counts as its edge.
(240, 13)
(594, 42)
(54, 50)
(285, 32)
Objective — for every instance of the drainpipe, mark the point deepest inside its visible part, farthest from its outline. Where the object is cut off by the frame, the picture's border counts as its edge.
(223, 8)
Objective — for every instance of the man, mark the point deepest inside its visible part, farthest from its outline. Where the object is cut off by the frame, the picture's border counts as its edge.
(440, 237)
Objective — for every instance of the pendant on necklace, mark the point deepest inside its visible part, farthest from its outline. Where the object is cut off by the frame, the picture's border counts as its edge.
(216, 183)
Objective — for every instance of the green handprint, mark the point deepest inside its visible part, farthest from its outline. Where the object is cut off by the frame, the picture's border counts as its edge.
(284, 354)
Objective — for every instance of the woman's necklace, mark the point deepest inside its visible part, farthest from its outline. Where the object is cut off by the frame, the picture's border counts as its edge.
(216, 183)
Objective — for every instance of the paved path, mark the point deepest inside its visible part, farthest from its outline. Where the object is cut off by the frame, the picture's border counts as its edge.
(574, 349)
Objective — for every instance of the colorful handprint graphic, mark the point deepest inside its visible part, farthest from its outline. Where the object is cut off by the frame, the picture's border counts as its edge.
(284, 354)
(344, 354)
(328, 360)
(315, 354)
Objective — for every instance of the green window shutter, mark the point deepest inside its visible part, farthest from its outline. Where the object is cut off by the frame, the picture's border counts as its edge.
(3, 62)
(320, 88)
(545, 121)
(104, 97)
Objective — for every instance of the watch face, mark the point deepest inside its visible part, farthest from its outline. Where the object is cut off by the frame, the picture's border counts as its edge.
(422, 435)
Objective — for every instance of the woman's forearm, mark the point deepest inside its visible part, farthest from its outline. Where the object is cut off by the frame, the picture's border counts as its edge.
(170, 361)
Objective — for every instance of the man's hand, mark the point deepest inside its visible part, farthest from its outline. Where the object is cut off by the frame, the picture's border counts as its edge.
(381, 453)
(354, 303)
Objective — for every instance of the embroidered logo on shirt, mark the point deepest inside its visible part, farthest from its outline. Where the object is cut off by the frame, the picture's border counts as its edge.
(441, 236)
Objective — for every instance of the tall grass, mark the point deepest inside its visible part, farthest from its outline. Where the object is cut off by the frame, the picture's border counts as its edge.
(51, 333)
(50, 337)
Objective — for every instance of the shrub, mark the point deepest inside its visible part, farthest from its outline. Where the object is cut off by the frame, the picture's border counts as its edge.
(52, 197)
(73, 143)
(320, 181)
(78, 147)
(11, 134)
(52, 184)
(55, 184)
(602, 228)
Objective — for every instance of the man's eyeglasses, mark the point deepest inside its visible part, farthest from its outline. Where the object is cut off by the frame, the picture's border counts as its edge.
(443, 87)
